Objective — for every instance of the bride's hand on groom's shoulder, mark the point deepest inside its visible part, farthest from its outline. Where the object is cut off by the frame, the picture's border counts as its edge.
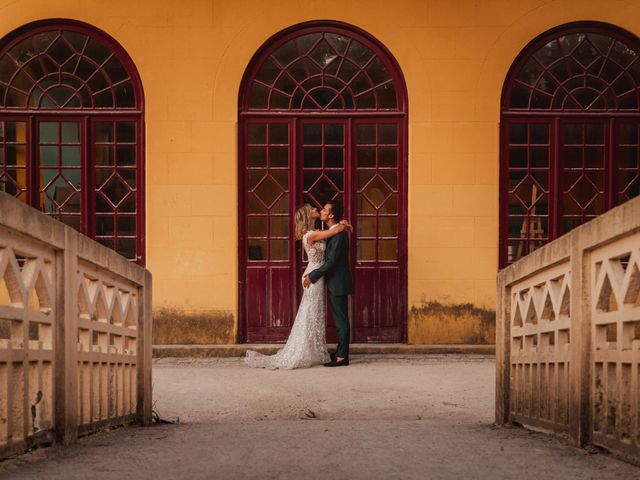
(347, 226)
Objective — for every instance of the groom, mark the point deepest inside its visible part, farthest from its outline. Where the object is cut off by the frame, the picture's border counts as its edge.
(336, 270)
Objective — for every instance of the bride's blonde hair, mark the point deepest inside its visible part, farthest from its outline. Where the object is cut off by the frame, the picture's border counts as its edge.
(302, 219)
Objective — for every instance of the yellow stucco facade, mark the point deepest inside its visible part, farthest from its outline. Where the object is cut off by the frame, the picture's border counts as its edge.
(454, 56)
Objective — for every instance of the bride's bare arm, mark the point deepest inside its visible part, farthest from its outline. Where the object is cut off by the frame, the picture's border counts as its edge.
(328, 233)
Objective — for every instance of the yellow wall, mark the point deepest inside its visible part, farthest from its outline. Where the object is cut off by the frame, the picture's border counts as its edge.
(191, 56)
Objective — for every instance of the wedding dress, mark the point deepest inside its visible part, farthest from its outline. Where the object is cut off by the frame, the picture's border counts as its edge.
(305, 346)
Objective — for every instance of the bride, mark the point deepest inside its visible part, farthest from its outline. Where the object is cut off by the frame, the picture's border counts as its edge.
(305, 346)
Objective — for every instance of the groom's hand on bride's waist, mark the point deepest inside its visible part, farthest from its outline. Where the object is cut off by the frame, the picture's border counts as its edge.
(306, 282)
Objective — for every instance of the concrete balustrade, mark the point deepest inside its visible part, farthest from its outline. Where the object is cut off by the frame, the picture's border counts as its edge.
(568, 335)
(75, 333)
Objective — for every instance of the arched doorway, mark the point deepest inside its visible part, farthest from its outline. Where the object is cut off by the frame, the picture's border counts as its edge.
(322, 114)
(71, 131)
(569, 133)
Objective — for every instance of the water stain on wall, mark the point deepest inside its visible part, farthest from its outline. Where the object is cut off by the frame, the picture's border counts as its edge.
(435, 323)
(175, 327)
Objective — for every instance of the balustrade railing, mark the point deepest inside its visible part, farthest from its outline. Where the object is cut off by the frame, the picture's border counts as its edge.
(568, 335)
(75, 333)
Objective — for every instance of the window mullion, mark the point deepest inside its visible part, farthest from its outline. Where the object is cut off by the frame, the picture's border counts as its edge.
(86, 211)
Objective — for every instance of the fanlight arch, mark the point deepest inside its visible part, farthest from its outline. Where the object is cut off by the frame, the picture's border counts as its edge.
(569, 133)
(327, 70)
(66, 67)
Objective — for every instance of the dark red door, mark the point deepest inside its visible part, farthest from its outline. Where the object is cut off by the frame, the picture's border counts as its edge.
(322, 115)
(355, 160)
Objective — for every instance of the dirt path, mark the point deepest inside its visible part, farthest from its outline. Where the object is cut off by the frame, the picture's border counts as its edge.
(423, 417)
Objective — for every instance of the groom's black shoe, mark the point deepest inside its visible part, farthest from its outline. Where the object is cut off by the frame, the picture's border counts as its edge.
(335, 363)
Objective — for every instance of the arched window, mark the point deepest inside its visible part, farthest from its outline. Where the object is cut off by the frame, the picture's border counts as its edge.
(569, 133)
(322, 115)
(71, 137)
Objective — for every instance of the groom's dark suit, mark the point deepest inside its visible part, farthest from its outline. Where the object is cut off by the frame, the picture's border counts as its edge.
(335, 269)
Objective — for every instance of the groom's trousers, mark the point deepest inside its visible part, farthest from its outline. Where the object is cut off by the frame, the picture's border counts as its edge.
(340, 312)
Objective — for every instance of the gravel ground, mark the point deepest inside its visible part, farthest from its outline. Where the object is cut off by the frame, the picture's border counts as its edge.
(404, 417)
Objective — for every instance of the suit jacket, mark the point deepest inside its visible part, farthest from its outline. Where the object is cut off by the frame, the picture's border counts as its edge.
(336, 266)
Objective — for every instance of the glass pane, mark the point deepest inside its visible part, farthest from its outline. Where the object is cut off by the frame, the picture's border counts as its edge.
(366, 157)
(517, 157)
(257, 227)
(594, 134)
(48, 156)
(127, 248)
(539, 134)
(70, 156)
(388, 134)
(573, 157)
(115, 190)
(257, 157)
(125, 132)
(279, 133)
(628, 133)
(312, 134)
(103, 132)
(258, 96)
(387, 96)
(70, 132)
(366, 134)
(333, 157)
(279, 227)
(105, 225)
(333, 135)
(388, 226)
(279, 249)
(49, 132)
(594, 157)
(628, 157)
(126, 155)
(312, 157)
(103, 155)
(539, 157)
(124, 95)
(388, 157)
(278, 156)
(517, 133)
(366, 250)
(257, 249)
(257, 134)
(573, 134)
(366, 227)
(359, 53)
(387, 249)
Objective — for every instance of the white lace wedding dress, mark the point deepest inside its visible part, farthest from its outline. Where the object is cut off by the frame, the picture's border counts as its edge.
(305, 346)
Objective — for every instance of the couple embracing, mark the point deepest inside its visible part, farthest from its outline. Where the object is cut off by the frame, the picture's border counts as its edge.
(328, 253)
